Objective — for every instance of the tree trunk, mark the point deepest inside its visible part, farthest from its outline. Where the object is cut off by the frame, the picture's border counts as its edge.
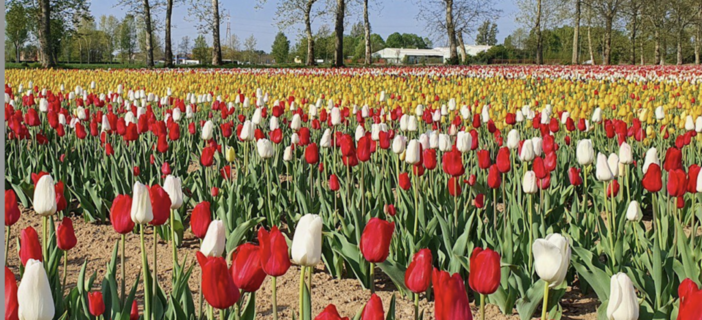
(657, 49)
(698, 41)
(451, 33)
(168, 50)
(634, 26)
(576, 34)
(679, 45)
(339, 34)
(17, 52)
(311, 61)
(589, 40)
(663, 51)
(367, 29)
(47, 59)
(149, 36)
(606, 59)
(461, 47)
(539, 40)
(216, 47)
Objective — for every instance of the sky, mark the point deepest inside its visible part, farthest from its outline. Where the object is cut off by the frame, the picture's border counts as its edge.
(386, 17)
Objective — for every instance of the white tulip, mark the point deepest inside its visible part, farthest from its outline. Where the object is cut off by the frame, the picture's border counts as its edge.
(294, 138)
(538, 145)
(597, 115)
(564, 117)
(34, 293)
(360, 132)
(256, 117)
(307, 242)
(141, 211)
(375, 131)
(288, 154)
(433, 139)
(633, 212)
(527, 154)
(444, 110)
(424, 140)
(689, 123)
(214, 241)
(650, 158)
(129, 118)
(625, 155)
(365, 111)
(660, 113)
(296, 122)
(247, 131)
(419, 110)
(602, 170)
(519, 116)
(265, 148)
(105, 124)
(436, 117)
(529, 183)
(412, 155)
(325, 142)
(585, 153)
(699, 183)
(513, 139)
(335, 116)
(273, 123)
(465, 112)
(43, 105)
(189, 114)
(399, 143)
(551, 258)
(412, 124)
(45, 196)
(452, 104)
(381, 96)
(623, 303)
(464, 141)
(177, 114)
(453, 129)
(613, 163)
(174, 187)
(485, 114)
(404, 122)
(698, 124)
(207, 131)
(445, 142)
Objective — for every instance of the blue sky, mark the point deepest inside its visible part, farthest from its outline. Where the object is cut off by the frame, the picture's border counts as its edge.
(387, 16)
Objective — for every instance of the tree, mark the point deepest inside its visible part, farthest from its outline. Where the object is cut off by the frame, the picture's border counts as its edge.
(339, 33)
(367, 33)
(281, 47)
(109, 26)
(576, 33)
(206, 14)
(16, 27)
(216, 47)
(250, 48)
(184, 46)
(143, 8)
(608, 10)
(407, 40)
(127, 38)
(200, 50)
(683, 14)
(47, 57)
(487, 34)
(296, 12)
(169, 52)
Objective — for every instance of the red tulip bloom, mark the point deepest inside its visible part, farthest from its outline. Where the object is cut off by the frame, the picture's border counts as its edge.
(246, 268)
(30, 247)
(312, 153)
(165, 169)
(454, 187)
(673, 159)
(483, 159)
(418, 274)
(12, 211)
(574, 177)
(96, 305)
(677, 183)
(363, 152)
(429, 158)
(451, 298)
(503, 160)
(390, 210)
(217, 284)
(452, 163)
(384, 140)
(484, 276)
(346, 145)
(373, 309)
(544, 183)
(550, 162)
(613, 189)
(652, 178)
(404, 181)
(214, 192)
(334, 183)
(134, 314)
(330, 312)
(207, 157)
(161, 205)
(690, 300)
(375, 240)
(120, 214)
(31, 118)
(275, 260)
(479, 201)
(200, 219)
(66, 235)
(11, 302)
(276, 136)
(693, 173)
(494, 178)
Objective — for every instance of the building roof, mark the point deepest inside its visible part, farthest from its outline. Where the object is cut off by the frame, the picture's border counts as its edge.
(400, 53)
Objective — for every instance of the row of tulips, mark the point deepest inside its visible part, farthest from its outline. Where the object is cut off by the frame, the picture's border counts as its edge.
(558, 201)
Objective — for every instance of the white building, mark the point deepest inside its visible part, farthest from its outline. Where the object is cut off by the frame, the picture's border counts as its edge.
(429, 56)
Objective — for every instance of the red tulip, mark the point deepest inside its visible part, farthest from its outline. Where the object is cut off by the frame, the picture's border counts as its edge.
(677, 183)
(389, 209)
(31, 118)
(690, 300)
(551, 161)
(134, 314)
(66, 235)
(207, 157)
(334, 182)
(454, 187)
(484, 276)
(503, 160)
(61, 203)
(136, 171)
(429, 158)
(544, 183)
(330, 313)
(574, 177)
(214, 192)
(275, 260)
(217, 284)
(12, 211)
(96, 305)
(452, 163)
(120, 214)
(494, 178)
(479, 201)
(11, 302)
(538, 168)
(375, 240)
(613, 189)
(673, 159)
(30, 248)
(418, 274)
(404, 181)
(312, 153)
(373, 309)
(162, 144)
(363, 151)
(652, 178)
(161, 205)
(165, 169)
(200, 219)
(346, 145)
(483, 159)
(246, 268)
(693, 173)
(451, 298)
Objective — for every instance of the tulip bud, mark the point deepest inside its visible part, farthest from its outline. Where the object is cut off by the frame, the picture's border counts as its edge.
(603, 172)
(399, 144)
(288, 154)
(325, 142)
(529, 183)
(307, 241)
(141, 212)
(613, 163)
(623, 303)
(537, 144)
(513, 139)
(625, 155)
(265, 148)
(484, 276)
(213, 243)
(45, 196)
(247, 131)
(551, 258)
(375, 240)
(207, 129)
(650, 158)
(527, 153)
(633, 212)
(413, 154)
(96, 304)
(230, 154)
(66, 235)
(173, 186)
(34, 293)
(360, 132)
(585, 153)
(660, 113)
(335, 116)
(411, 124)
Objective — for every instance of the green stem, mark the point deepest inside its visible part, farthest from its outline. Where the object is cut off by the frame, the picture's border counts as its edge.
(482, 307)
(155, 274)
(544, 310)
(145, 270)
(302, 289)
(274, 298)
(210, 313)
(416, 205)
(610, 223)
(7, 241)
(173, 241)
(65, 268)
(268, 187)
(123, 267)
(416, 306)
(45, 245)
(372, 278)
(531, 230)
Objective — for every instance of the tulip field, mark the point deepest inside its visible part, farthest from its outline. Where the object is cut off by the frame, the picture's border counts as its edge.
(439, 192)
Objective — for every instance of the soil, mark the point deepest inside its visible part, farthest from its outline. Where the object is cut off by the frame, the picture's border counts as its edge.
(96, 243)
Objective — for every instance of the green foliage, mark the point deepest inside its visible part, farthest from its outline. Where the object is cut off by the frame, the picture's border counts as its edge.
(200, 50)
(407, 40)
(281, 48)
(17, 27)
(487, 34)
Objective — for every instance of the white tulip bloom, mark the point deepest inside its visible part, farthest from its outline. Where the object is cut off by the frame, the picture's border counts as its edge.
(551, 258)
(265, 148)
(34, 293)
(207, 131)
(585, 153)
(602, 169)
(633, 211)
(623, 303)
(174, 187)
(141, 211)
(307, 242)
(412, 155)
(45, 196)
(214, 242)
